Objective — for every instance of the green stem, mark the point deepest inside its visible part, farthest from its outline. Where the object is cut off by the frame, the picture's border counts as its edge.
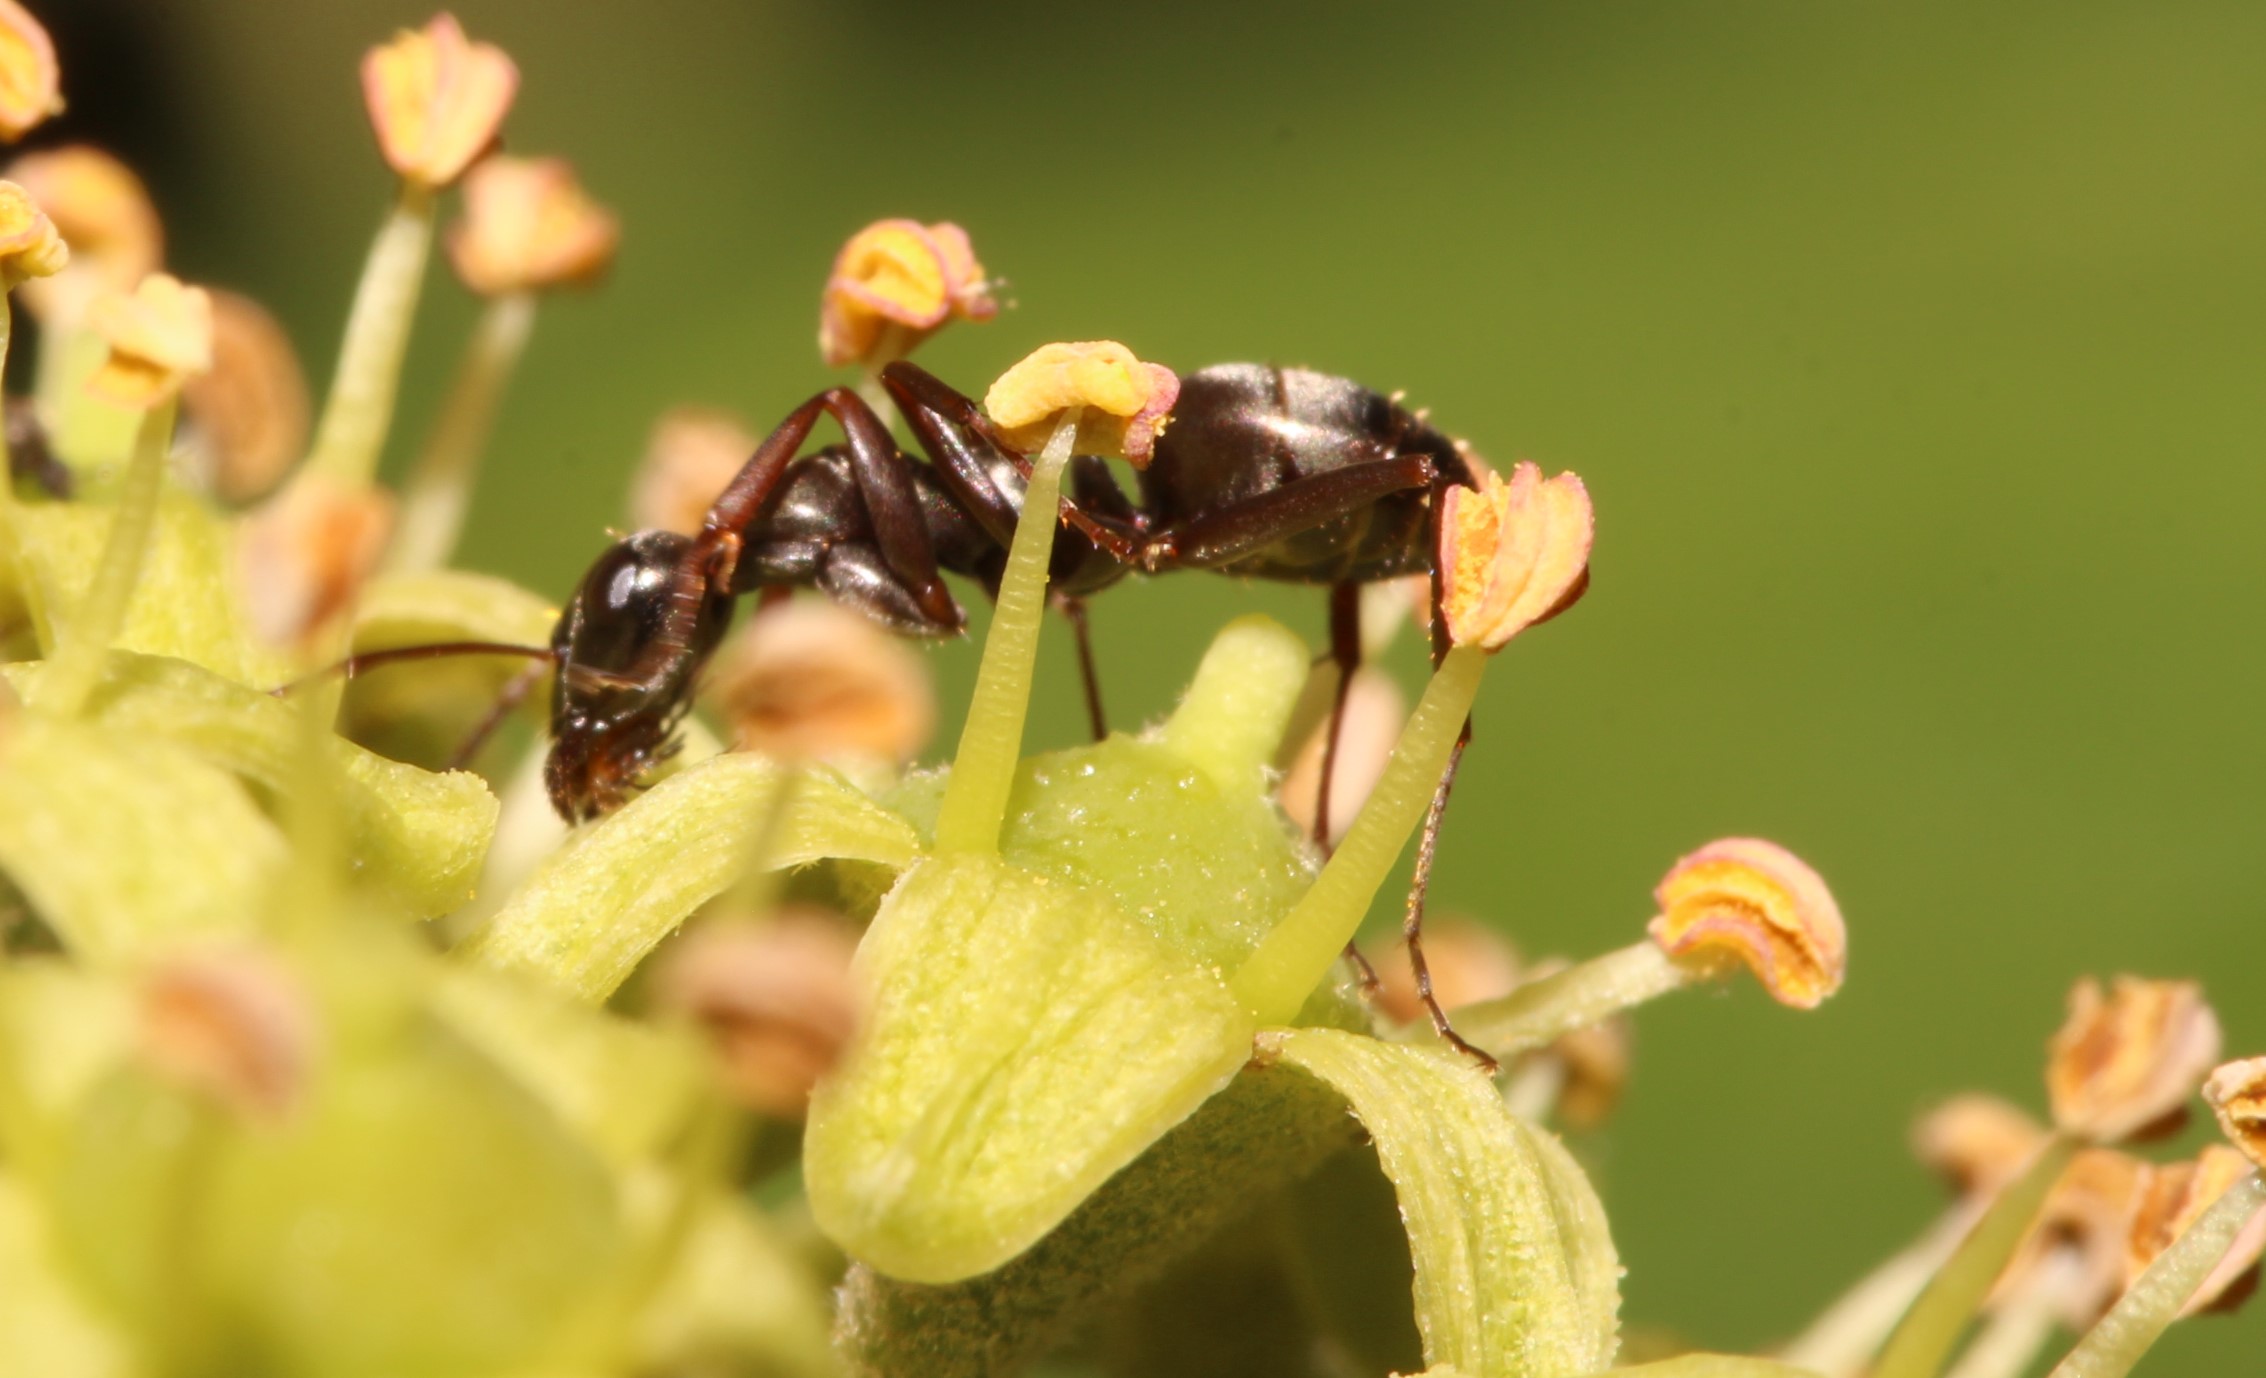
(2021, 1324)
(1842, 1340)
(1539, 1012)
(360, 406)
(440, 488)
(1934, 1324)
(991, 741)
(2111, 1348)
(101, 615)
(1293, 959)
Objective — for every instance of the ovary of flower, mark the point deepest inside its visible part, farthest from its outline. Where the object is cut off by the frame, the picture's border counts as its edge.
(899, 273)
(1756, 901)
(159, 336)
(1127, 402)
(436, 99)
(29, 79)
(1512, 553)
(29, 245)
(2237, 1095)
(2174, 1196)
(2128, 1060)
(528, 224)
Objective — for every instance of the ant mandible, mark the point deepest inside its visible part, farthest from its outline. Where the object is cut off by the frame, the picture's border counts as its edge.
(1264, 472)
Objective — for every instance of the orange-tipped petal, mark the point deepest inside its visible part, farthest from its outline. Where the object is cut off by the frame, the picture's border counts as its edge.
(436, 99)
(529, 224)
(29, 246)
(901, 274)
(1756, 901)
(30, 82)
(160, 335)
(1512, 553)
(1127, 402)
(2237, 1095)
(2127, 1061)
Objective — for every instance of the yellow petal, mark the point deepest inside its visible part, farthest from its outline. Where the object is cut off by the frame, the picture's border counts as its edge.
(901, 274)
(1754, 900)
(1512, 554)
(1126, 401)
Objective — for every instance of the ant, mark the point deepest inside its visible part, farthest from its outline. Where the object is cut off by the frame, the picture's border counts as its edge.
(1263, 472)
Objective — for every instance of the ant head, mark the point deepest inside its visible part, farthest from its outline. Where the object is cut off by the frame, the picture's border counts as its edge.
(629, 646)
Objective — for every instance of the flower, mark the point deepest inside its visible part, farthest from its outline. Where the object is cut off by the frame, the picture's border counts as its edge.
(29, 246)
(1374, 712)
(1127, 402)
(2237, 1095)
(103, 212)
(29, 79)
(691, 455)
(160, 336)
(901, 274)
(247, 418)
(235, 1026)
(1757, 901)
(2174, 1196)
(303, 555)
(1512, 554)
(436, 99)
(805, 678)
(2125, 1063)
(528, 224)
(1977, 1143)
(775, 998)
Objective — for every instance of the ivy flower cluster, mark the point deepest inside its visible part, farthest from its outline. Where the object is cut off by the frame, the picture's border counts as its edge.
(322, 1054)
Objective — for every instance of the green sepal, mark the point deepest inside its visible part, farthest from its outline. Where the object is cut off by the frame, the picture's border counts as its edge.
(185, 604)
(594, 909)
(126, 844)
(417, 836)
(1516, 1276)
(1025, 1040)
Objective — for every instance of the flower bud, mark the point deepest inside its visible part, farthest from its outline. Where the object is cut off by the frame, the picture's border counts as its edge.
(247, 418)
(2126, 1062)
(899, 275)
(1977, 1143)
(2173, 1197)
(29, 245)
(528, 224)
(1127, 402)
(1756, 901)
(807, 679)
(2083, 1227)
(160, 336)
(104, 213)
(436, 99)
(29, 79)
(235, 1026)
(1375, 709)
(1512, 554)
(691, 455)
(775, 999)
(303, 556)
(2237, 1095)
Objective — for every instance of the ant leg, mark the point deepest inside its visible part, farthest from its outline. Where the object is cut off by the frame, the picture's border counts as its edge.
(1229, 533)
(1412, 923)
(513, 694)
(1074, 611)
(371, 660)
(885, 480)
(1345, 653)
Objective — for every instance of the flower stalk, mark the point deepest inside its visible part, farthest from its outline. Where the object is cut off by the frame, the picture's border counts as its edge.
(359, 409)
(439, 490)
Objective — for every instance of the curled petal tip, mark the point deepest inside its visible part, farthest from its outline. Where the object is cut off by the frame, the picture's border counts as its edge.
(1512, 553)
(436, 99)
(893, 284)
(1754, 900)
(1127, 402)
(2126, 1061)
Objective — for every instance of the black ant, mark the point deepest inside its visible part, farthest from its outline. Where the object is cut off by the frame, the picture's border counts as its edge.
(1264, 472)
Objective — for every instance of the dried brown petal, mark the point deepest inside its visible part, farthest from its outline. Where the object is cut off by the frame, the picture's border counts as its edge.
(806, 679)
(2237, 1094)
(691, 455)
(1977, 1143)
(1596, 1062)
(247, 418)
(2127, 1061)
(235, 1026)
(775, 998)
(528, 224)
(1469, 962)
(303, 556)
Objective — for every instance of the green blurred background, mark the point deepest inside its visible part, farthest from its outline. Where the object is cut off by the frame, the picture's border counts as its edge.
(1912, 353)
